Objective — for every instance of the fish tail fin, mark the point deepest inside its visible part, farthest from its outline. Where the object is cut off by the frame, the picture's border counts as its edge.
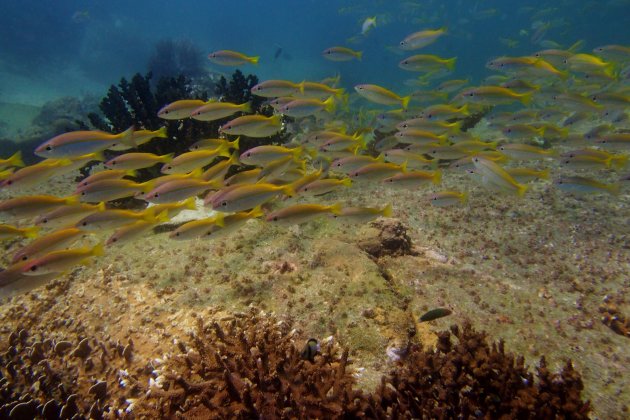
(380, 158)
(437, 177)
(161, 132)
(405, 101)
(387, 210)
(100, 206)
(450, 63)
(98, 250)
(246, 107)
(301, 87)
(620, 161)
(541, 131)
(147, 186)
(359, 55)
(526, 98)
(463, 198)
(576, 46)
(336, 208)
(521, 189)
(544, 174)
(339, 93)
(73, 199)
(403, 167)
(127, 136)
(289, 190)
(190, 203)
(464, 109)
(167, 157)
(256, 212)
(16, 159)
(234, 144)
(254, 60)
(329, 105)
(31, 232)
(161, 218)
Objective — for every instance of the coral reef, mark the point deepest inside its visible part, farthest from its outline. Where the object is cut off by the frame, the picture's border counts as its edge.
(613, 318)
(250, 367)
(136, 103)
(471, 378)
(392, 240)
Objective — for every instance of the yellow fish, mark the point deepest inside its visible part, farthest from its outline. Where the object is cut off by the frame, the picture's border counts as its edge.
(61, 261)
(231, 58)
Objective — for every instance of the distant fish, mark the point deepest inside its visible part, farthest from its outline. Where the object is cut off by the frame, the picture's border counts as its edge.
(421, 39)
(54, 241)
(80, 16)
(132, 161)
(448, 198)
(181, 109)
(278, 52)
(579, 184)
(301, 213)
(253, 126)
(435, 314)
(8, 231)
(341, 54)
(276, 88)
(363, 214)
(368, 24)
(231, 58)
(380, 95)
(61, 261)
(79, 143)
(218, 110)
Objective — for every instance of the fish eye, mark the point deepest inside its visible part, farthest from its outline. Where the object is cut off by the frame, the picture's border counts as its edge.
(24, 257)
(402, 42)
(509, 130)
(113, 162)
(329, 52)
(166, 111)
(45, 221)
(471, 94)
(275, 218)
(405, 125)
(224, 203)
(84, 224)
(34, 268)
(9, 182)
(82, 192)
(156, 195)
(114, 239)
(248, 154)
(48, 148)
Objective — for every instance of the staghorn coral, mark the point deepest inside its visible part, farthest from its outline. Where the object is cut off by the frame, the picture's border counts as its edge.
(251, 366)
(471, 378)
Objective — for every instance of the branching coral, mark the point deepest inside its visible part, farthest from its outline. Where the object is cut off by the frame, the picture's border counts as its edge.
(471, 378)
(252, 366)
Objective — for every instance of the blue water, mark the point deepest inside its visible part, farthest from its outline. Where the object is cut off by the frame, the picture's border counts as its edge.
(106, 40)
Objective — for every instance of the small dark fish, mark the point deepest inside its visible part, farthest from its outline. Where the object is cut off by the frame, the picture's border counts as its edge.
(311, 348)
(278, 52)
(435, 314)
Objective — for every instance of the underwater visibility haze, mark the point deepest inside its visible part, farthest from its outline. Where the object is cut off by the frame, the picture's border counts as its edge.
(315, 209)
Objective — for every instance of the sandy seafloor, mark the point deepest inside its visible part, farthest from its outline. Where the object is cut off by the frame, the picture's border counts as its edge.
(532, 271)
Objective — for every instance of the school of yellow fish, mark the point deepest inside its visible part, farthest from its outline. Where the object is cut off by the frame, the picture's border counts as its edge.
(560, 106)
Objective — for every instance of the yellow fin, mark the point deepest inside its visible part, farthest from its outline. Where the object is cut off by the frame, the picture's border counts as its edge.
(387, 210)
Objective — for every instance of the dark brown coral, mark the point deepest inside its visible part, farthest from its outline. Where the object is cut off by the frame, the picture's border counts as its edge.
(471, 378)
(392, 240)
(250, 368)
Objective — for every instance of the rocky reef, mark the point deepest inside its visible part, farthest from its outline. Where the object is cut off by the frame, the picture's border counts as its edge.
(252, 365)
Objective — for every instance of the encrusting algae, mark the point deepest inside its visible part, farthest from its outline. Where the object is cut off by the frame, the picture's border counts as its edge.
(499, 201)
